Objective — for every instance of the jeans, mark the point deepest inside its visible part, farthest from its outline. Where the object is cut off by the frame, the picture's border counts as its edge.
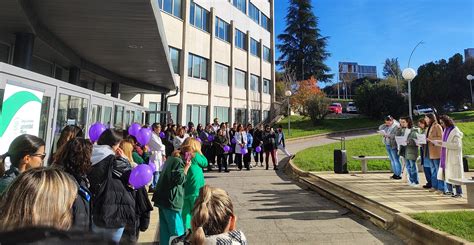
(110, 233)
(156, 176)
(427, 170)
(259, 155)
(412, 171)
(394, 160)
(435, 183)
(457, 187)
(171, 224)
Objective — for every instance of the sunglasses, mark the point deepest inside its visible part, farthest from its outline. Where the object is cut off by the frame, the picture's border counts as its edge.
(42, 156)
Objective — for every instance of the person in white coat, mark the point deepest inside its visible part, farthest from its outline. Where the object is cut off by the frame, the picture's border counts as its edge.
(181, 136)
(451, 166)
(240, 137)
(158, 153)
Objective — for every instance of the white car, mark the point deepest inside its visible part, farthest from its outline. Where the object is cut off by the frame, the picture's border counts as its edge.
(422, 110)
(351, 107)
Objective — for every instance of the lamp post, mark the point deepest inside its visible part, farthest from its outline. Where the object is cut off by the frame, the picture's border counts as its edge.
(408, 74)
(470, 78)
(288, 95)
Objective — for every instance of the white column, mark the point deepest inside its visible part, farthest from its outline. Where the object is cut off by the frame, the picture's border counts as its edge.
(232, 73)
(211, 66)
(184, 63)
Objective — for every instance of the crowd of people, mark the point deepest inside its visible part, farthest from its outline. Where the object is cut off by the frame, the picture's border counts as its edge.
(437, 142)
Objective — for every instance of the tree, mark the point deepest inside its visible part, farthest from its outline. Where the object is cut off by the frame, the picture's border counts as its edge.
(391, 68)
(306, 89)
(303, 49)
(318, 107)
(379, 100)
(280, 86)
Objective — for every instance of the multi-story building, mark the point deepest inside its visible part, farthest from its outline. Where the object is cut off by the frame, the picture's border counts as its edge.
(349, 71)
(469, 53)
(222, 53)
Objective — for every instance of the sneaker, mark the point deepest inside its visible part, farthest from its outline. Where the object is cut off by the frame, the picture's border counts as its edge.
(432, 190)
(226, 171)
(426, 186)
(414, 185)
(447, 193)
(397, 177)
(457, 195)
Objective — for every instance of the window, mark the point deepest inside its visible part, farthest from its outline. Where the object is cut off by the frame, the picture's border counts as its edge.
(171, 6)
(174, 56)
(241, 5)
(254, 13)
(240, 79)
(254, 47)
(118, 120)
(266, 54)
(154, 116)
(255, 117)
(266, 86)
(72, 110)
(266, 115)
(222, 113)
(240, 39)
(197, 67)
(222, 74)
(199, 17)
(222, 30)
(196, 114)
(240, 115)
(254, 82)
(173, 109)
(265, 22)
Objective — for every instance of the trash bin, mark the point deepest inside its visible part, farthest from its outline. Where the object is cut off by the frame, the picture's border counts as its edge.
(465, 164)
(340, 158)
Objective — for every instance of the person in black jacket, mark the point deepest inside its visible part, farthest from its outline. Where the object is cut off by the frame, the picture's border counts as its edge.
(220, 141)
(114, 203)
(258, 141)
(269, 139)
(75, 159)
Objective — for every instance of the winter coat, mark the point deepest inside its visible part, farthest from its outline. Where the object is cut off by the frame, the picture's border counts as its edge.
(168, 142)
(454, 165)
(410, 151)
(280, 139)
(235, 237)
(169, 192)
(8, 177)
(435, 132)
(257, 138)
(269, 140)
(158, 150)
(82, 206)
(249, 140)
(195, 176)
(220, 141)
(114, 204)
(178, 141)
(240, 141)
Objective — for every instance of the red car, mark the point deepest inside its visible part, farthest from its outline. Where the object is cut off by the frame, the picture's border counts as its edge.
(335, 108)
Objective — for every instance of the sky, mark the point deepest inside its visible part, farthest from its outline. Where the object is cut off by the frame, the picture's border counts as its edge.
(370, 31)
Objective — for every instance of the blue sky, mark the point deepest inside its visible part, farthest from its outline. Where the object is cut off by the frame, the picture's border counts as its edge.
(369, 31)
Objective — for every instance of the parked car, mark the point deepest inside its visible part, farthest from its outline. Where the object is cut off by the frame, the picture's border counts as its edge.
(449, 108)
(351, 107)
(422, 110)
(335, 108)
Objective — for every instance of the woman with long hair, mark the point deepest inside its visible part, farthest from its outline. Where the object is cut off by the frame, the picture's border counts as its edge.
(425, 161)
(75, 159)
(269, 146)
(194, 178)
(240, 138)
(221, 141)
(389, 130)
(25, 152)
(433, 152)
(214, 220)
(67, 133)
(181, 135)
(410, 150)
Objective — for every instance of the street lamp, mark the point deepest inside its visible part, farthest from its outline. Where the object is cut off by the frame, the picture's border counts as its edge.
(288, 95)
(408, 74)
(470, 78)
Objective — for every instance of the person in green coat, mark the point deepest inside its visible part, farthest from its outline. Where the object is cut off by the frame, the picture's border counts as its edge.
(410, 151)
(194, 179)
(169, 194)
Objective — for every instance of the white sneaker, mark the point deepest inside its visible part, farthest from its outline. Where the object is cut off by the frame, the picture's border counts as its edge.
(414, 185)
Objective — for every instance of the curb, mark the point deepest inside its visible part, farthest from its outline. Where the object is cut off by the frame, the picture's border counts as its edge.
(332, 134)
(409, 230)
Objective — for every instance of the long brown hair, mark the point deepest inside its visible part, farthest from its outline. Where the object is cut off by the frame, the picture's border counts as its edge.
(69, 132)
(39, 197)
(212, 212)
(75, 156)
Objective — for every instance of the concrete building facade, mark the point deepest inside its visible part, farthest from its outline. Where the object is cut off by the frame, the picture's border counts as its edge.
(222, 53)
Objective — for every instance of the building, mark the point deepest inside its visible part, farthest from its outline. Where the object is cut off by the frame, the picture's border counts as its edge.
(222, 53)
(350, 71)
(468, 53)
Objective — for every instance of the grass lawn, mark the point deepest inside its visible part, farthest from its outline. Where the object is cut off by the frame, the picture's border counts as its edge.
(462, 115)
(455, 223)
(321, 158)
(301, 126)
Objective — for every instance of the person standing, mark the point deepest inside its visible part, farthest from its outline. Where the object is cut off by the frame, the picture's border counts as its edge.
(410, 150)
(216, 125)
(240, 138)
(169, 195)
(451, 166)
(433, 152)
(389, 129)
(258, 141)
(280, 136)
(248, 156)
(158, 153)
(219, 143)
(207, 138)
(425, 161)
(181, 135)
(269, 146)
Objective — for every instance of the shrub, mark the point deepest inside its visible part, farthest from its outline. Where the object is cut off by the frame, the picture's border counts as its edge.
(318, 107)
(379, 100)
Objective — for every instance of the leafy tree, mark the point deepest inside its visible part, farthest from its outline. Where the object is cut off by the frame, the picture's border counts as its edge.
(318, 106)
(306, 89)
(391, 68)
(379, 100)
(280, 86)
(303, 49)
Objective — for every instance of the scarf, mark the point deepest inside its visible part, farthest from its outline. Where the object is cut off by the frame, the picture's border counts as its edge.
(443, 149)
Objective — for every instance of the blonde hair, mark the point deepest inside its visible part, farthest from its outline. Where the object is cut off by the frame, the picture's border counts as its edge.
(39, 197)
(211, 214)
(127, 148)
(191, 145)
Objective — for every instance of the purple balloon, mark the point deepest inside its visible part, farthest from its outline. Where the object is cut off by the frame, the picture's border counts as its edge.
(162, 135)
(96, 130)
(140, 176)
(258, 149)
(243, 151)
(226, 148)
(233, 141)
(134, 128)
(199, 139)
(152, 166)
(210, 138)
(144, 136)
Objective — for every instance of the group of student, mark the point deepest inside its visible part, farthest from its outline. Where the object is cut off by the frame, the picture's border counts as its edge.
(84, 193)
(223, 145)
(438, 144)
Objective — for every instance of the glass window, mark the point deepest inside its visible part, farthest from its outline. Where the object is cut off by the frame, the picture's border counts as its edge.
(222, 74)
(127, 118)
(43, 128)
(240, 79)
(255, 117)
(168, 6)
(222, 113)
(198, 17)
(107, 115)
(174, 56)
(254, 82)
(240, 39)
(265, 22)
(266, 115)
(254, 47)
(72, 110)
(197, 67)
(222, 29)
(171, 6)
(266, 86)
(118, 119)
(173, 109)
(240, 115)
(254, 13)
(177, 8)
(241, 5)
(266, 54)
(96, 114)
(196, 114)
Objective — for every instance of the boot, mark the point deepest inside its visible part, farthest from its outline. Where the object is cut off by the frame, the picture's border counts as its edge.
(267, 166)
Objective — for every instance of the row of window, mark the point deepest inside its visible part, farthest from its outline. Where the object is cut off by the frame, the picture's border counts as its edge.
(254, 13)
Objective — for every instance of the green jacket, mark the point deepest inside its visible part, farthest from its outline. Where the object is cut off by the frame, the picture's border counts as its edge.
(195, 177)
(169, 192)
(410, 151)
